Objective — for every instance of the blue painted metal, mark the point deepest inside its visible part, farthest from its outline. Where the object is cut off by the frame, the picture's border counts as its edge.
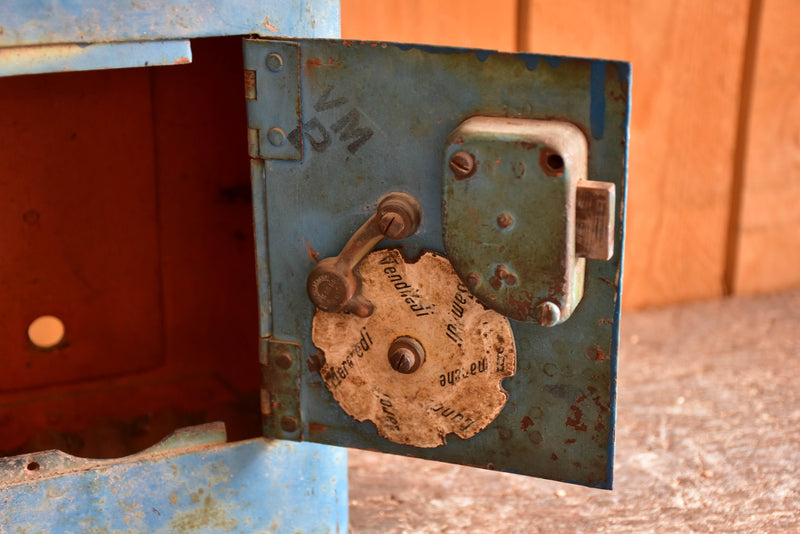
(92, 56)
(191, 482)
(36, 22)
(280, 81)
(54, 36)
(376, 117)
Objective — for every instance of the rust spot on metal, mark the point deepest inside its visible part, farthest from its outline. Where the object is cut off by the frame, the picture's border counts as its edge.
(315, 362)
(269, 26)
(553, 457)
(317, 62)
(502, 274)
(504, 220)
(173, 497)
(595, 354)
(575, 420)
(525, 423)
(609, 282)
(182, 61)
(527, 145)
(316, 428)
(570, 441)
(314, 255)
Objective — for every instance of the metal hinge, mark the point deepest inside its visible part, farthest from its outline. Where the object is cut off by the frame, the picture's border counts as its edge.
(280, 388)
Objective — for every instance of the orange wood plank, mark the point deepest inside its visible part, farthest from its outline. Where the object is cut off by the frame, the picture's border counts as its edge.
(768, 256)
(468, 23)
(687, 62)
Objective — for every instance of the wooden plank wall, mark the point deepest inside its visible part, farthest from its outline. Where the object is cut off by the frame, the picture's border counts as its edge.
(715, 150)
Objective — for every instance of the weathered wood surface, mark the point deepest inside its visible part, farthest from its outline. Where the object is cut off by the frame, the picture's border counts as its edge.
(708, 441)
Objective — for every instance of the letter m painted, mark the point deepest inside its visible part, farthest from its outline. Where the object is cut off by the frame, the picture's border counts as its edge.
(347, 128)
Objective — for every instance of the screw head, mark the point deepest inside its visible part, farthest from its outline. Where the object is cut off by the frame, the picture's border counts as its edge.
(274, 62)
(406, 355)
(392, 225)
(289, 424)
(276, 136)
(462, 164)
(547, 313)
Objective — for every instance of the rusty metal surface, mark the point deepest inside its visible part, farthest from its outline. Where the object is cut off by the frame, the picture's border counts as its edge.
(509, 227)
(190, 482)
(376, 117)
(25, 22)
(84, 56)
(280, 389)
(455, 389)
(53, 36)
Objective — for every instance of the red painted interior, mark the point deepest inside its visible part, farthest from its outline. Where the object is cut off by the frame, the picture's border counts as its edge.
(125, 210)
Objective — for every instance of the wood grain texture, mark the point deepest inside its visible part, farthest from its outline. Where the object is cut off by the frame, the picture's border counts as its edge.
(768, 249)
(687, 62)
(468, 23)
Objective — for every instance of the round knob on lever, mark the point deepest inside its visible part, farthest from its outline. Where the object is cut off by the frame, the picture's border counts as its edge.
(334, 285)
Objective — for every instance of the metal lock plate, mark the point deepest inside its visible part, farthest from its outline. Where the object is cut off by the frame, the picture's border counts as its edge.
(377, 118)
(509, 223)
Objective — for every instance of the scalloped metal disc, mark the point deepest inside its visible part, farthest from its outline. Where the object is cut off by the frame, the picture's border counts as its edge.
(469, 350)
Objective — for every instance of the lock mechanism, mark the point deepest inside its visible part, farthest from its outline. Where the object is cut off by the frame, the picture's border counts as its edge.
(519, 216)
(405, 343)
(427, 362)
(334, 285)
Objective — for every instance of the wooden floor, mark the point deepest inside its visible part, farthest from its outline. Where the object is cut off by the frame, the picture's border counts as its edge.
(708, 440)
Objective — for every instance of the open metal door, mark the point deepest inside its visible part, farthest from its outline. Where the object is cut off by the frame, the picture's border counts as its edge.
(439, 236)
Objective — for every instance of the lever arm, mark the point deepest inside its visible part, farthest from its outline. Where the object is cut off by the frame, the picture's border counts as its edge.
(334, 284)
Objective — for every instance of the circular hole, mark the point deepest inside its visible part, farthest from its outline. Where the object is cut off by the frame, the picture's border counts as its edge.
(555, 162)
(46, 332)
(33, 466)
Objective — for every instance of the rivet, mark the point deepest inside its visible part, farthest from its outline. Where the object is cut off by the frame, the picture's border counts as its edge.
(274, 62)
(392, 225)
(289, 424)
(284, 359)
(462, 164)
(547, 313)
(276, 136)
(504, 220)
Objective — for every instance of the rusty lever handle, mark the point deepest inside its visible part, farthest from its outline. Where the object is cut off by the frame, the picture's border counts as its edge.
(334, 285)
